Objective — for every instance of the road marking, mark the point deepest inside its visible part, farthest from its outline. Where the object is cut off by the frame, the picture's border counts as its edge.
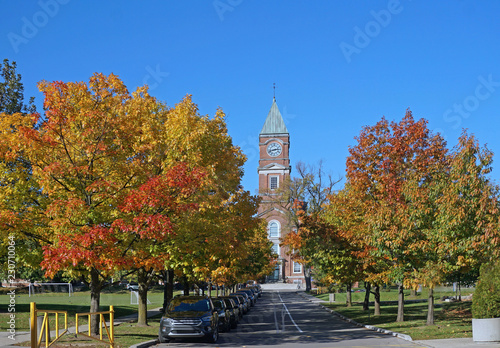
(275, 318)
(288, 312)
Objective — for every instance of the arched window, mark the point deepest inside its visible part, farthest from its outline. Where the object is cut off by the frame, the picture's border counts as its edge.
(274, 229)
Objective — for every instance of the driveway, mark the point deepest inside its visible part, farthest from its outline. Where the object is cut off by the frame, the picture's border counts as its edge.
(286, 319)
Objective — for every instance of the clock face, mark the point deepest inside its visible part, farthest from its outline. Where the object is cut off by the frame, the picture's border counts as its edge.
(274, 149)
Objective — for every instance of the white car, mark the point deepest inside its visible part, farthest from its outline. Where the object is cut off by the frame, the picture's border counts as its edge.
(133, 287)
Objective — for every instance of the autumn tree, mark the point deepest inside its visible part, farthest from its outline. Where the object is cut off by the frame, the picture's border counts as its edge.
(148, 219)
(84, 159)
(458, 211)
(18, 193)
(468, 208)
(386, 157)
(204, 235)
(346, 213)
(304, 194)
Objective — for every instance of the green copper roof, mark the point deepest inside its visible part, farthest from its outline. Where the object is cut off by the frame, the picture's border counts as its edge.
(274, 122)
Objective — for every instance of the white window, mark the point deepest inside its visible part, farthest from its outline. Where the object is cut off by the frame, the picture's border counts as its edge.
(274, 229)
(297, 267)
(276, 249)
(273, 182)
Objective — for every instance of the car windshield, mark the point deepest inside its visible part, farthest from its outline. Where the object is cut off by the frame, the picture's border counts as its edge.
(238, 298)
(217, 304)
(189, 305)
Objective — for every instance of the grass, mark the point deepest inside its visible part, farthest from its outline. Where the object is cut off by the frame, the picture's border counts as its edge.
(79, 302)
(126, 334)
(452, 319)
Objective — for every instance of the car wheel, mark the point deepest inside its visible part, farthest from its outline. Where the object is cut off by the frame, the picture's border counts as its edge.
(214, 336)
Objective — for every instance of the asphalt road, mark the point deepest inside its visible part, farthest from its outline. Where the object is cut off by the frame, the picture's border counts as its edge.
(285, 319)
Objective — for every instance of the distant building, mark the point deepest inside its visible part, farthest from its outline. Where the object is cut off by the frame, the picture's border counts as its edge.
(274, 167)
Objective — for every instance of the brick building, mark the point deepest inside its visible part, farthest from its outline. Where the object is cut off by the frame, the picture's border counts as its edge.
(274, 167)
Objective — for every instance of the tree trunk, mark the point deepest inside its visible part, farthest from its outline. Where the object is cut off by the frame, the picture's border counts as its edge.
(348, 295)
(143, 279)
(168, 290)
(401, 303)
(430, 307)
(376, 294)
(366, 302)
(186, 287)
(307, 277)
(413, 292)
(95, 301)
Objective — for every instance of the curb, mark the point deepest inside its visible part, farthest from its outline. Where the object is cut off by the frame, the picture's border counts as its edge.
(369, 327)
(145, 344)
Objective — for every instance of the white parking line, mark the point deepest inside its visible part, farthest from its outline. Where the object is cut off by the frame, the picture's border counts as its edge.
(287, 312)
(275, 318)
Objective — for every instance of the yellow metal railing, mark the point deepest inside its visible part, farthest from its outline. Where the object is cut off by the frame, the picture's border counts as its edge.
(36, 339)
(102, 324)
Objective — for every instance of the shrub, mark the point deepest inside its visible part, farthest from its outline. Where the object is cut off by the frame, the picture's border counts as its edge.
(486, 299)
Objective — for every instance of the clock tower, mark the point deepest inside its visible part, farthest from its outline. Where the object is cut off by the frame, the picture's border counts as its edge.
(274, 168)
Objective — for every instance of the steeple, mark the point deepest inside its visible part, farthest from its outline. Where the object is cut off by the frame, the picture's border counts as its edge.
(274, 122)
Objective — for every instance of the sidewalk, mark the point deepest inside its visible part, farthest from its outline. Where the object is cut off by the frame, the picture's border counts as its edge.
(443, 343)
(456, 343)
(25, 336)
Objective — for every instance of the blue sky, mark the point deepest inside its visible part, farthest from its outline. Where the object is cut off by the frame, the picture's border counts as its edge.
(338, 66)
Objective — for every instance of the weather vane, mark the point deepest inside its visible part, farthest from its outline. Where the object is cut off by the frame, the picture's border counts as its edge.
(274, 90)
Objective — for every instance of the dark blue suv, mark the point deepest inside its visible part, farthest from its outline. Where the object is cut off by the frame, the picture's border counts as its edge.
(189, 316)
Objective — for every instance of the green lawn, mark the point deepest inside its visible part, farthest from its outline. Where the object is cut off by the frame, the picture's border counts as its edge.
(79, 302)
(126, 334)
(452, 319)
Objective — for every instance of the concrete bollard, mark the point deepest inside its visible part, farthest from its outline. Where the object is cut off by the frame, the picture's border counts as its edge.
(332, 297)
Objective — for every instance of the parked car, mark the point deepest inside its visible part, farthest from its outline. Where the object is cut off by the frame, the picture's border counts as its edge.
(242, 302)
(258, 288)
(224, 314)
(247, 298)
(189, 316)
(133, 286)
(250, 294)
(234, 310)
(253, 290)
